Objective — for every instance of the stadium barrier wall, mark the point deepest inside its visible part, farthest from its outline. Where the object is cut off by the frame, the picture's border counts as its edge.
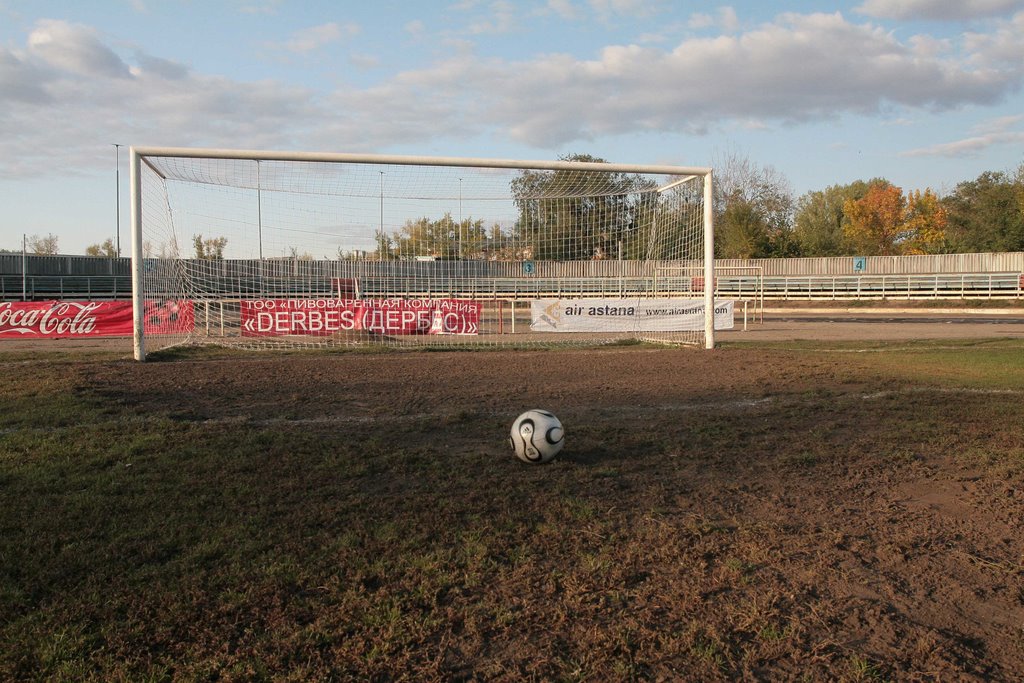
(11, 264)
(936, 276)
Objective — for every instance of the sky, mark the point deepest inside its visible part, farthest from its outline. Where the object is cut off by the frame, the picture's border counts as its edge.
(925, 93)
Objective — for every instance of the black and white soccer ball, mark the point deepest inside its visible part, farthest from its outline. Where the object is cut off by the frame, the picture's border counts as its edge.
(537, 436)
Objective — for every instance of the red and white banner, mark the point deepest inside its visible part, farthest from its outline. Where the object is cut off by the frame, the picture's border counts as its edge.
(75, 319)
(320, 317)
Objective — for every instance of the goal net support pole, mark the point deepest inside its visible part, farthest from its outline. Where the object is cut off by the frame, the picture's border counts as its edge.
(138, 291)
(709, 264)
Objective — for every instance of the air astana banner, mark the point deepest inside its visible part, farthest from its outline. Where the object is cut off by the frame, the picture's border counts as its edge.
(275, 317)
(626, 315)
(74, 319)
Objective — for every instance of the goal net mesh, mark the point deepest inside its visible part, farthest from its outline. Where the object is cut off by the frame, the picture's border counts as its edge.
(265, 253)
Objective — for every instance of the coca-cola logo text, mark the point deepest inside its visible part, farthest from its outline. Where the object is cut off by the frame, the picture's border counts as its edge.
(64, 317)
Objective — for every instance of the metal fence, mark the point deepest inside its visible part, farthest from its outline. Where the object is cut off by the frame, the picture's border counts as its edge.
(887, 265)
(11, 264)
(879, 277)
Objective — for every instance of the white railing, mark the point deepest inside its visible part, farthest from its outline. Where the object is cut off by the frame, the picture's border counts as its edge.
(1005, 285)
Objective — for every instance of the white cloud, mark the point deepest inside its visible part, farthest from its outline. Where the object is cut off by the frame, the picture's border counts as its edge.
(564, 9)
(793, 69)
(928, 47)
(364, 61)
(163, 68)
(967, 147)
(313, 38)
(1002, 48)
(73, 96)
(725, 19)
(999, 125)
(701, 20)
(501, 19)
(941, 10)
(606, 9)
(798, 68)
(1000, 131)
(21, 81)
(74, 49)
(267, 7)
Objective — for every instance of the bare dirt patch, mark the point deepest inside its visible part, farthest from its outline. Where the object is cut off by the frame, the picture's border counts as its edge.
(745, 513)
(736, 514)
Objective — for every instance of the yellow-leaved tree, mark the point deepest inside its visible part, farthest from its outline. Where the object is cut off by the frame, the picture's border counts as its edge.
(884, 222)
(925, 224)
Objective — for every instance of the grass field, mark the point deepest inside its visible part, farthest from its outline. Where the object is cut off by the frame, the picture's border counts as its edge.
(788, 511)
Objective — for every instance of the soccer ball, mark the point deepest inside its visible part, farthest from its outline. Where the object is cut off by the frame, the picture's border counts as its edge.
(536, 436)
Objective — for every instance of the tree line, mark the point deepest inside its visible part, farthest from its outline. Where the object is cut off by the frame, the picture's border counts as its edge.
(564, 215)
(757, 216)
(574, 215)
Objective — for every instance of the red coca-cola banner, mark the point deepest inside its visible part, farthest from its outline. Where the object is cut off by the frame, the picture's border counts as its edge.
(67, 319)
(321, 317)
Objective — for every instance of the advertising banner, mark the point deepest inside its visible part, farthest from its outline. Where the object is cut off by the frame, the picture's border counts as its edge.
(320, 317)
(74, 319)
(626, 315)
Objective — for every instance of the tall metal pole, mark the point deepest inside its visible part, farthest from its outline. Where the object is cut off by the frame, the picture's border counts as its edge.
(117, 193)
(24, 267)
(380, 232)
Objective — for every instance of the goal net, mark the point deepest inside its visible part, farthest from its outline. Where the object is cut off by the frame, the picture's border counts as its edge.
(288, 250)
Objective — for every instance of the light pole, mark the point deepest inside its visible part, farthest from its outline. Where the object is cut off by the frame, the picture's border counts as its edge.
(117, 193)
(380, 232)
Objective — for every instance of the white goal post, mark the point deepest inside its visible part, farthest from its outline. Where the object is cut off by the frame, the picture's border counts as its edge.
(264, 249)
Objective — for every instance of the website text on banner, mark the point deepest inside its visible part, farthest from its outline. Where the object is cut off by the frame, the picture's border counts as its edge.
(74, 319)
(321, 317)
(626, 315)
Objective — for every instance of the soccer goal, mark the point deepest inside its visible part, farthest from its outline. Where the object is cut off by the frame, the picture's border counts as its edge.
(287, 250)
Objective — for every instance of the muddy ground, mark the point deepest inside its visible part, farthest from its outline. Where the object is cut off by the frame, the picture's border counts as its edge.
(782, 514)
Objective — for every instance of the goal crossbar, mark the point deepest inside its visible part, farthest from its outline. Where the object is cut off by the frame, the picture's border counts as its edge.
(402, 160)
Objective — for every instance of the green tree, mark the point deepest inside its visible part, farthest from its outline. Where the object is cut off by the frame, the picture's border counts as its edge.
(760, 190)
(987, 214)
(742, 232)
(212, 248)
(444, 238)
(579, 215)
(819, 222)
(385, 250)
(106, 249)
